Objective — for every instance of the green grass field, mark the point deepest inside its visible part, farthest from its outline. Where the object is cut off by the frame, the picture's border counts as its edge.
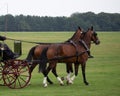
(103, 71)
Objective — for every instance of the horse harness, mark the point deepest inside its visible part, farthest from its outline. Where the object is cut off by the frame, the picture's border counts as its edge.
(66, 57)
(84, 45)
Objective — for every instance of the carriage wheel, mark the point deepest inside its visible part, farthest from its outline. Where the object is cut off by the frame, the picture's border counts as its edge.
(16, 74)
(1, 68)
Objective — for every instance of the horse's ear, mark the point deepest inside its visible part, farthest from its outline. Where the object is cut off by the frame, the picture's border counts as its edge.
(92, 28)
(83, 34)
(79, 28)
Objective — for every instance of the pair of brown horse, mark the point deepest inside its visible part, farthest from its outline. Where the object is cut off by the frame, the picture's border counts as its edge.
(75, 50)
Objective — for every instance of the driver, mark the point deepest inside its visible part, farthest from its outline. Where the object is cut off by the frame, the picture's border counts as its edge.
(2, 38)
(7, 52)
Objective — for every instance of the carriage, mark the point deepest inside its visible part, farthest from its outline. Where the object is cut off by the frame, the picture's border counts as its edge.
(14, 73)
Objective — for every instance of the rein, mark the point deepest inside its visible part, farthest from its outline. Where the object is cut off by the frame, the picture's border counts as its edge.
(31, 41)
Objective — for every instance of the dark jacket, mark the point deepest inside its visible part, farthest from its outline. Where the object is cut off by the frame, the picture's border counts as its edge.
(2, 38)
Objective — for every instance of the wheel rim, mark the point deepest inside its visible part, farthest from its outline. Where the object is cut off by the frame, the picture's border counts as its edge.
(16, 74)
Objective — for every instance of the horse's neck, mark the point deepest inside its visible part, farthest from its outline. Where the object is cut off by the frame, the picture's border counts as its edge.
(76, 36)
(87, 40)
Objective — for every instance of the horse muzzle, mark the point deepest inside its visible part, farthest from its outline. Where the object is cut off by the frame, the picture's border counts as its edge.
(97, 42)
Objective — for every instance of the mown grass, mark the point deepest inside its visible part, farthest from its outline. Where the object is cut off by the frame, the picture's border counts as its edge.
(103, 72)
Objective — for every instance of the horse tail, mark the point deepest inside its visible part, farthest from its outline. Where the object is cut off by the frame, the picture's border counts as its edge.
(43, 60)
(30, 54)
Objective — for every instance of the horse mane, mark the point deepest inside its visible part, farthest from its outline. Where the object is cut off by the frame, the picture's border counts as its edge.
(74, 34)
(71, 37)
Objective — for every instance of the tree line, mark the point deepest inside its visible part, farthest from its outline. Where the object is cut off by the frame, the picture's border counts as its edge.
(101, 22)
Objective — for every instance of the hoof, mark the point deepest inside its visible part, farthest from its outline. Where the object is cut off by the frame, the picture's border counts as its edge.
(62, 78)
(51, 83)
(44, 85)
(86, 83)
(69, 83)
(61, 84)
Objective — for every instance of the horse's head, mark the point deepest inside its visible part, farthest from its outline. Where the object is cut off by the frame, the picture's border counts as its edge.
(77, 35)
(93, 36)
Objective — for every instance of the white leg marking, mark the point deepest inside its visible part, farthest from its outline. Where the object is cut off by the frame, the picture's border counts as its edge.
(72, 78)
(69, 81)
(59, 79)
(45, 82)
(68, 76)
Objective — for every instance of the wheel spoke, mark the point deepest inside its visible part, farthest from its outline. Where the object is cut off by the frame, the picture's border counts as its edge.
(16, 74)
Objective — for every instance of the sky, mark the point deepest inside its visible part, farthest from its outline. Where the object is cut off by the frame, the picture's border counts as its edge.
(57, 7)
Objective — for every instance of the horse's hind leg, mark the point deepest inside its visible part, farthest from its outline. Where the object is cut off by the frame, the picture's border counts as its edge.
(45, 73)
(32, 67)
(52, 66)
(48, 79)
(56, 75)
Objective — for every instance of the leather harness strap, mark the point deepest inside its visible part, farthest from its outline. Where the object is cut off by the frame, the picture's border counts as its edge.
(73, 43)
(84, 45)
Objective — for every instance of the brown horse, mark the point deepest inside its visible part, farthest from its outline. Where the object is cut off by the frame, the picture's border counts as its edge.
(67, 53)
(87, 45)
(35, 52)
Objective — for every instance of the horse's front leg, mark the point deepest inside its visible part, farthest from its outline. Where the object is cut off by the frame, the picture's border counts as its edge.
(69, 70)
(76, 67)
(83, 66)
